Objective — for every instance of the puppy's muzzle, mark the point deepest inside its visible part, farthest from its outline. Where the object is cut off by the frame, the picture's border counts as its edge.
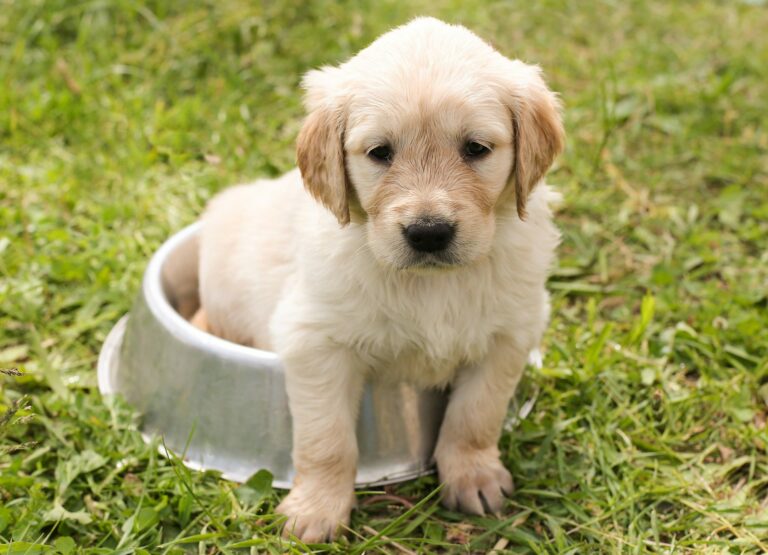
(429, 236)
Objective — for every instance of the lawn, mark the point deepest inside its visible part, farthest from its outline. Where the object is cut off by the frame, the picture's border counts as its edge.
(120, 118)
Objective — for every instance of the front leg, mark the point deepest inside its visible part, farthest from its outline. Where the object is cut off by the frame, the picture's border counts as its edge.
(474, 479)
(324, 384)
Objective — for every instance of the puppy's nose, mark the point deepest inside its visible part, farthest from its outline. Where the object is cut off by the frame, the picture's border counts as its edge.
(429, 236)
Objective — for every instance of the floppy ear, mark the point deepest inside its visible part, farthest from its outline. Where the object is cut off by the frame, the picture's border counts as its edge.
(320, 148)
(537, 128)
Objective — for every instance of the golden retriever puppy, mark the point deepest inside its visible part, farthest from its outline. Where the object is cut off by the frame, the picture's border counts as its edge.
(413, 243)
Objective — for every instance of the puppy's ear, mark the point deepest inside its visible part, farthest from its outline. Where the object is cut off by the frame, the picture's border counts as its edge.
(320, 145)
(537, 127)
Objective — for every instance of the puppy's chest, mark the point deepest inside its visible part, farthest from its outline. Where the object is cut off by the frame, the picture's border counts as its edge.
(423, 334)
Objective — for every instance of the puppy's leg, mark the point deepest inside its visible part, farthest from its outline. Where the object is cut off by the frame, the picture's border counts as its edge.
(324, 388)
(467, 453)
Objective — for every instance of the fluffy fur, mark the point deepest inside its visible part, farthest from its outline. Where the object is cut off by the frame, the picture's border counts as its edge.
(315, 266)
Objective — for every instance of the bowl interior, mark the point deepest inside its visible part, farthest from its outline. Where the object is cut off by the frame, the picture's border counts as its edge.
(179, 277)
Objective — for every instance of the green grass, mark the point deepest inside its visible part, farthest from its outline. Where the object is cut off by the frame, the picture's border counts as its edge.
(119, 118)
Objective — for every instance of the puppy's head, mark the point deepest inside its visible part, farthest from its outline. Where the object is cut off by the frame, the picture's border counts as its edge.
(425, 137)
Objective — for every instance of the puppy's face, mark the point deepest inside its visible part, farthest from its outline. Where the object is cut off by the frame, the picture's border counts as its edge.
(425, 137)
(428, 167)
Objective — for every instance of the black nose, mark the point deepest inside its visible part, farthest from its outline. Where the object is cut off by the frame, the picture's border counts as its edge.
(429, 236)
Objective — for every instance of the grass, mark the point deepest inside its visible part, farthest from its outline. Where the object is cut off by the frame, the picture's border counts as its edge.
(119, 118)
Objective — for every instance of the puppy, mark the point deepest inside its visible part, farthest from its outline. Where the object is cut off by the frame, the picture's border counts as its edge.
(413, 243)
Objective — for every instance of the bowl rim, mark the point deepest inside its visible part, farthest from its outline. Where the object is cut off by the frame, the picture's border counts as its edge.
(177, 325)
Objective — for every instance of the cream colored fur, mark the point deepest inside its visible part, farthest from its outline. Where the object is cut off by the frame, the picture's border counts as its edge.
(317, 268)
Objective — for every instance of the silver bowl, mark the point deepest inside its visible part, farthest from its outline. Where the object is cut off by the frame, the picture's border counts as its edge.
(223, 406)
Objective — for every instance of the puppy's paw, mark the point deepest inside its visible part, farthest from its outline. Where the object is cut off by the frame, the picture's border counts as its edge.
(316, 514)
(475, 481)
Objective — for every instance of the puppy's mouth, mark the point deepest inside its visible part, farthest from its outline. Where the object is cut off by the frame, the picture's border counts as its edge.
(418, 261)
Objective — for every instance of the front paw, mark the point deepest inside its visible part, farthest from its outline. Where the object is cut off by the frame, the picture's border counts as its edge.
(474, 481)
(316, 514)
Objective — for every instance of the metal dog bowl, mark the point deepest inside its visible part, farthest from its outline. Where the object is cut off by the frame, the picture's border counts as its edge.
(223, 406)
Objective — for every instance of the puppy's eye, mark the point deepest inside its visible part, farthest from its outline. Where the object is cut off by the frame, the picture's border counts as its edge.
(475, 150)
(382, 153)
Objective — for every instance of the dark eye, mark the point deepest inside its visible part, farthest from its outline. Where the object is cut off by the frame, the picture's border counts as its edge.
(475, 150)
(381, 153)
